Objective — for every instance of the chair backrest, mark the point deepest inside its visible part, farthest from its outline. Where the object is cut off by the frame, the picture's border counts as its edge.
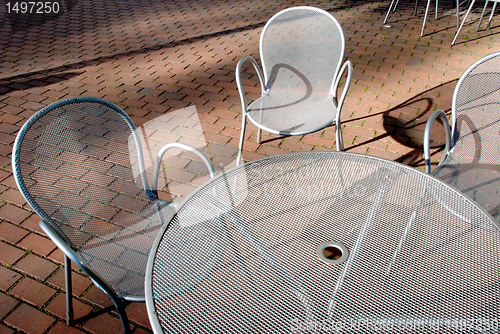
(476, 113)
(302, 48)
(75, 162)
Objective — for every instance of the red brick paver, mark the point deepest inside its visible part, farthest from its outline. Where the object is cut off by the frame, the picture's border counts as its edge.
(171, 66)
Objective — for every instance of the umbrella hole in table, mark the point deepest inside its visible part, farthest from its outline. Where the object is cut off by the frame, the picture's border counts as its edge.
(332, 253)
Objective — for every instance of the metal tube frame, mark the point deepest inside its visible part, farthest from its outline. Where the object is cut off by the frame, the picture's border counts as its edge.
(164, 149)
(427, 135)
(244, 110)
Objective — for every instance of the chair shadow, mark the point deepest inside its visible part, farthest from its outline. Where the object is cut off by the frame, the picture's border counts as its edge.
(472, 22)
(438, 31)
(36, 79)
(478, 37)
(273, 77)
(405, 122)
(484, 25)
(70, 4)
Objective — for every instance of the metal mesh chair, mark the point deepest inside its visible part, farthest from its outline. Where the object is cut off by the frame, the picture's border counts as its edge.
(79, 165)
(301, 51)
(472, 163)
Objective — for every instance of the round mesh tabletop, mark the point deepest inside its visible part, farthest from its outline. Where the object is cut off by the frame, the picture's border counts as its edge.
(325, 242)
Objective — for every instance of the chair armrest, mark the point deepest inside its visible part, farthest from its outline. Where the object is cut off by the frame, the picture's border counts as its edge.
(427, 138)
(189, 148)
(238, 79)
(71, 254)
(348, 65)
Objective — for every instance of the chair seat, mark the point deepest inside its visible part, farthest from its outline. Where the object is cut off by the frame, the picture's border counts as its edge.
(481, 182)
(118, 250)
(292, 114)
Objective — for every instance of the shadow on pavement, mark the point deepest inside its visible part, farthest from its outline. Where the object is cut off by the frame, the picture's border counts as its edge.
(405, 123)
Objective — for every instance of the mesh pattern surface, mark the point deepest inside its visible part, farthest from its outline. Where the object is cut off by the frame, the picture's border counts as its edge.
(301, 51)
(241, 256)
(76, 164)
(473, 166)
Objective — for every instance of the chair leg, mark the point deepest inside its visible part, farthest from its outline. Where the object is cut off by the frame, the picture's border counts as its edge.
(123, 317)
(242, 138)
(425, 17)
(259, 131)
(338, 137)
(463, 21)
(389, 11)
(491, 15)
(259, 136)
(482, 15)
(395, 5)
(427, 12)
(70, 320)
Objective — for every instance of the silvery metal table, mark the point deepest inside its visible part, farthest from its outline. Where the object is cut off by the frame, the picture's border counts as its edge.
(325, 242)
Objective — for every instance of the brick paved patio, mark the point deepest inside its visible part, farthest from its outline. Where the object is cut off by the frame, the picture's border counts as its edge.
(170, 65)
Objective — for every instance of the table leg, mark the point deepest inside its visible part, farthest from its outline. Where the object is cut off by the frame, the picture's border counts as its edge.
(406, 231)
(278, 268)
(350, 262)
